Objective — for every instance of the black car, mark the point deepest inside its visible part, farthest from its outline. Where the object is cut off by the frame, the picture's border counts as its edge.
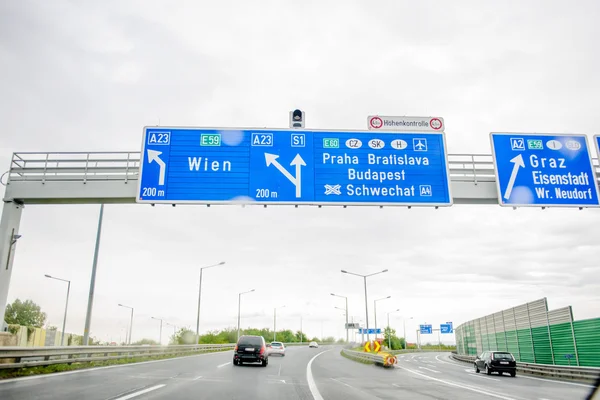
(250, 349)
(496, 361)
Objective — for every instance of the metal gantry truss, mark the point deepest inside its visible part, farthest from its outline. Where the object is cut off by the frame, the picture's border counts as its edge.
(112, 177)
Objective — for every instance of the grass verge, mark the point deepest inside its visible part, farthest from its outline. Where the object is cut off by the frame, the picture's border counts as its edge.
(49, 369)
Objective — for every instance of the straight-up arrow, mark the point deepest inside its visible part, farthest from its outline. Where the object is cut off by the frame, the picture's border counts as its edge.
(299, 163)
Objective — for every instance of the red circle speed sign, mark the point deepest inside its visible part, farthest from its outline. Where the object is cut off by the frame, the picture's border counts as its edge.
(435, 123)
(376, 123)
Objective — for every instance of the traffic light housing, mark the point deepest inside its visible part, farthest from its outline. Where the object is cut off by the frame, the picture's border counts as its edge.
(297, 119)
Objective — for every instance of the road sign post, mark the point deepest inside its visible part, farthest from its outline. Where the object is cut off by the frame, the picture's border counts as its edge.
(544, 170)
(277, 166)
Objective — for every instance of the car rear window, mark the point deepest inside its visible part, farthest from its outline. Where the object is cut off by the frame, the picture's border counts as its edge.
(250, 341)
(503, 356)
(275, 344)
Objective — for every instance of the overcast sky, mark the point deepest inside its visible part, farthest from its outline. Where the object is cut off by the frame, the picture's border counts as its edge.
(78, 76)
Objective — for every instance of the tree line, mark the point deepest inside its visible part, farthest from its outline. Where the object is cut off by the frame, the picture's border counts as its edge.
(229, 335)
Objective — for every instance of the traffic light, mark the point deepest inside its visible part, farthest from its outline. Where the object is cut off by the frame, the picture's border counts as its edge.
(297, 119)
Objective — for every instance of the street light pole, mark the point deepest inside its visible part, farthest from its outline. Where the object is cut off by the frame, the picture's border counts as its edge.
(130, 321)
(375, 310)
(240, 308)
(174, 328)
(161, 324)
(62, 336)
(367, 310)
(199, 297)
(88, 316)
(366, 301)
(275, 322)
(389, 329)
(346, 298)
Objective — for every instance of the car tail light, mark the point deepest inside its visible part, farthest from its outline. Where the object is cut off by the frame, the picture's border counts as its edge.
(236, 348)
(262, 350)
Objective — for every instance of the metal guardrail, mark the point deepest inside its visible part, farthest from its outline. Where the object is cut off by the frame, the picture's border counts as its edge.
(585, 374)
(124, 166)
(362, 356)
(19, 357)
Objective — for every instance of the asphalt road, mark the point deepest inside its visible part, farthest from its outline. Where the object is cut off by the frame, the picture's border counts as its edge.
(320, 374)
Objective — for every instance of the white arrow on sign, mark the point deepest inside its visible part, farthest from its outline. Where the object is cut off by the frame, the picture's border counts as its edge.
(153, 155)
(518, 162)
(297, 161)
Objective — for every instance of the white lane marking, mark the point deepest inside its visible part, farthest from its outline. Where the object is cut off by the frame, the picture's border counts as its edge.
(312, 386)
(343, 383)
(473, 373)
(458, 385)
(432, 370)
(548, 380)
(79, 371)
(279, 373)
(461, 365)
(135, 394)
(368, 395)
(222, 365)
(196, 378)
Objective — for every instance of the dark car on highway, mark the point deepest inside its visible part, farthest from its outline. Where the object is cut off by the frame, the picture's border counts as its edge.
(496, 361)
(251, 349)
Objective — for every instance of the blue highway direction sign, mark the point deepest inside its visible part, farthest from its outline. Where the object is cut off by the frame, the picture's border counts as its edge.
(426, 329)
(544, 170)
(276, 166)
(370, 331)
(446, 328)
(597, 140)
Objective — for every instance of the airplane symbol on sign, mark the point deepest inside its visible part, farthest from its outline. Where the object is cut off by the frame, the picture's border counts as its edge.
(420, 144)
(333, 189)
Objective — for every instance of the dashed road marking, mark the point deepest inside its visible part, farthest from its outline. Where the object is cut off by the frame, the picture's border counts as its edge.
(140, 392)
(432, 370)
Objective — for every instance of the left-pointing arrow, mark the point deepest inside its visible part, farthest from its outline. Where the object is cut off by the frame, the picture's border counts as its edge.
(153, 155)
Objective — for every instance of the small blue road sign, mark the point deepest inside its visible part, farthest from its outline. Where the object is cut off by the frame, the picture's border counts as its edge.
(426, 329)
